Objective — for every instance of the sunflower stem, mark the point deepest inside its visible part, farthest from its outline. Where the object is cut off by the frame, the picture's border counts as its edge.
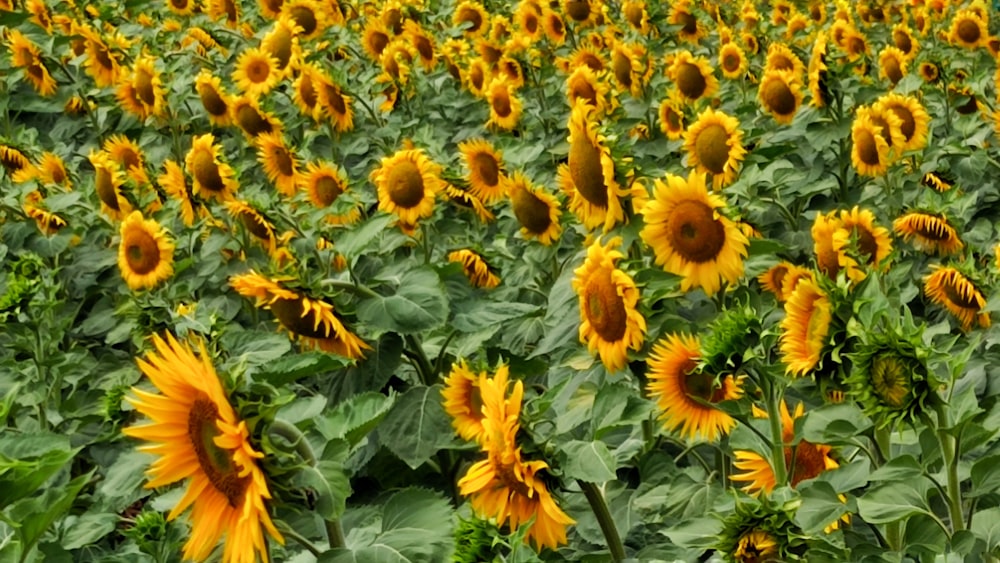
(424, 368)
(357, 289)
(299, 539)
(777, 436)
(883, 440)
(600, 508)
(950, 453)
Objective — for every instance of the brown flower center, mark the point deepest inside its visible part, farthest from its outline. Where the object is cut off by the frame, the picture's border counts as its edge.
(216, 462)
(501, 103)
(968, 31)
(531, 212)
(471, 16)
(604, 308)
(712, 148)
(779, 61)
(144, 86)
(633, 13)
(902, 41)
(699, 383)
(487, 168)
(867, 147)
(892, 69)
(280, 47)
(623, 68)
(578, 10)
(290, 313)
(258, 70)
(695, 233)
(252, 121)
(424, 48)
(809, 462)
(689, 24)
(282, 160)
(106, 189)
(327, 190)
(274, 5)
(963, 297)
(377, 42)
(305, 18)
(691, 81)
(211, 100)
(909, 125)
(141, 251)
(581, 88)
(866, 243)
(256, 224)
(730, 61)
(206, 171)
(405, 184)
(336, 100)
(586, 171)
(778, 97)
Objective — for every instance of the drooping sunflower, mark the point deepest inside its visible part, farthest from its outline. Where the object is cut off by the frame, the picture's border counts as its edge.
(486, 170)
(52, 170)
(463, 399)
(672, 117)
(817, 72)
(535, 210)
(27, 55)
(928, 232)
(610, 325)
(968, 30)
(892, 64)
(407, 184)
(714, 145)
(870, 150)
(475, 267)
(733, 61)
(913, 118)
(589, 176)
(689, 235)
(693, 76)
(212, 177)
(280, 164)
(246, 114)
(935, 181)
(675, 382)
(780, 95)
(254, 222)
(173, 182)
(312, 321)
(504, 486)
(197, 434)
(108, 183)
(804, 328)
(48, 222)
(949, 287)
(505, 106)
(334, 102)
(213, 98)
(146, 253)
(466, 201)
(471, 17)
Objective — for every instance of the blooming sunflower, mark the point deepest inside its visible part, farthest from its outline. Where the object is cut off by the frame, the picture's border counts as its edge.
(829, 258)
(254, 222)
(870, 150)
(280, 163)
(630, 67)
(146, 253)
(636, 14)
(817, 72)
(780, 95)
(782, 278)
(305, 91)
(213, 98)
(229, 11)
(672, 117)
(584, 85)
(733, 61)
(309, 15)
(463, 400)
(928, 232)
(102, 62)
(471, 17)
(256, 72)
(173, 182)
(334, 103)
(271, 9)
(967, 30)
(582, 12)
(681, 15)
(27, 55)
(108, 183)
(555, 27)
(913, 118)
(681, 390)
(780, 57)
(407, 184)
(312, 321)
(48, 222)
(690, 237)
(324, 184)
(610, 325)
(52, 170)
(589, 176)
(245, 112)
(126, 153)
(714, 145)
(505, 107)
(476, 268)
(929, 71)
(871, 242)
(504, 486)
(144, 90)
(282, 43)
(478, 76)
(536, 210)
(692, 76)
(197, 434)
(212, 177)
(423, 42)
(485, 165)
(804, 328)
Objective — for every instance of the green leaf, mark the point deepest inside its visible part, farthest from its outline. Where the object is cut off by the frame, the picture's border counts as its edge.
(37, 514)
(328, 480)
(485, 314)
(354, 243)
(891, 502)
(371, 373)
(419, 304)
(28, 460)
(986, 525)
(88, 529)
(587, 461)
(985, 476)
(122, 483)
(378, 553)
(354, 418)
(255, 347)
(835, 424)
(820, 507)
(417, 426)
(700, 533)
(291, 368)
(847, 477)
(900, 468)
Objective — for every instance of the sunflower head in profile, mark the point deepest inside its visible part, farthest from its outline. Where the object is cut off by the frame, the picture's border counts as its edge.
(213, 98)
(145, 253)
(782, 278)
(466, 201)
(892, 64)
(27, 55)
(253, 121)
(636, 14)
(282, 43)
(690, 236)
(280, 163)
(198, 435)
(672, 117)
(714, 145)
(102, 62)
(52, 170)
(955, 291)
(212, 177)
(463, 400)
(143, 93)
(253, 222)
(610, 324)
(929, 232)
(808, 315)
(174, 183)
(536, 210)
(914, 122)
(780, 95)
(407, 184)
(589, 176)
(936, 181)
(682, 15)
(108, 181)
(890, 378)
(475, 267)
(684, 392)
(870, 150)
(485, 167)
(818, 72)
(312, 321)
(630, 67)
(49, 223)
(693, 76)
(968, 30)
(505, 106)
(733, 61)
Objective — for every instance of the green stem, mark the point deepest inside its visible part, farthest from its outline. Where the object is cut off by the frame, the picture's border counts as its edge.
(777, 436)
(359, 290)
(950, 453)
(424, 367)
(883, 440)
(299, 539)
(600, 508)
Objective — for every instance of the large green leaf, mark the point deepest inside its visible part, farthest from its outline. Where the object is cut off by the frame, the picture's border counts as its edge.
(893, 501)
(986, 476)
(417, 426)
(821, 506)
(35, 515)
(418, 304)
(986, 525)
(697, 532)
(29, 460)
(354, 418)
(291, 368)
(835, 424)
(587, 461)
(485, 314)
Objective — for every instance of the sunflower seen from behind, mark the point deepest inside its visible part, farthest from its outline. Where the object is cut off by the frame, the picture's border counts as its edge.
(145, 253)
(929, 232)
(197, 435)
(588, 178)
(407, 184)
(714, 145)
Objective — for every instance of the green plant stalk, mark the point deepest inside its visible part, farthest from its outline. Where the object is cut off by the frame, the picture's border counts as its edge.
(777, 436)
(600, 508)
(424, 367)
(950, 454)
(893, 530)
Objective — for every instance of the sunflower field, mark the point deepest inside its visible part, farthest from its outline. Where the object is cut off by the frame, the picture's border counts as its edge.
(470, 281)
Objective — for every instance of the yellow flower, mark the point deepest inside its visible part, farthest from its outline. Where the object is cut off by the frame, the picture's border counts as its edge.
(475, 268)
(407, 184)
(282, 43)
(584, 85)
(930, 233)
(892, 64)
(818, 72)
(733, 61)
(227, 10)
(780, 95)
(212, 177)
(471, 18)
(334, 103)
(870, 241)
(804, 328)
(197, 435)
(280, 163)
(588, 178)
(256, 72)
(309, 15)
(423, 42)
(146, 253)
(968, 30)
(680, 15)
(52, 170)
(486, 176)
(108, 183)
(692, 76)
(913, 118)
(536, 210)
(48, 222)
(505, 107)
(582, 12)
(173, 182)
(782, 278)
(25, 54)
(672, 117)
(245, 112)
(324, 183)
(780, 57)
(102, 63)
(213, 98)
(463, 400)
(714, 145)
(254, 223)
(126, 153)
(870, 150)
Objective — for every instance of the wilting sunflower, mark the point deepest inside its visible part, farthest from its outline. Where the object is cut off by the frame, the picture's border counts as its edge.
(672, 117)
(858, 232)
(48, 222)
(173, 182)
(949, 287)
(256, 72)
(870, 150)
(213, 98)
(254, 222)
(693, 76)
(968, 30)
(476, 268)
(676, 383)
(334, 102)
(913, 118)
(733, 61)
(780, 57)
(471, 17)
(251, 119)
(486, 174)
(804, 328)
(27, 55)
(280, 163)
(589, 176)
(928, 232)
(146, 253)
(407, 184)
(890, 378)
(212, 177)
(465, 200)
(689, 235)
(936, 182)
(312, 321)
(610, 325)
(463, 400)
(52, 170)
(780, 94)
(505, 107)
(714, 145)
(197, 434)
(108, 182)
(892, 64)
(536, 210)
(504, 486)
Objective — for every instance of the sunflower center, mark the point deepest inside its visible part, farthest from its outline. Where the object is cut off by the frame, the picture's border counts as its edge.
(106, 188)
(674, 119)
(256, 225)
(689, 24)
(902, 41)
(144, 86)
(336, 100)
(889, 380)
(405, 184)
(531, 23)
(471, 16)
(730, 62)
(531, 212)
(216, 462)
(293, 315)
(129, 158)
(695, 233)
(583, 89)
(968, 31)
(506, 474)
(501, 104)
(327, 190)
(141, 251)
(304, 18)
(691, 81)
(486, 168)
(283, 161)
(892, 70)
(103, 56)
(778, 97)
(212, 101)
(633, 13)
(605, 308)
(206, 171)
(809, 461)
(252, 121)
(586, 171)
(867, 148)
(780, 62)
(578, 10)
(964, 297)
(477, 77)
(425, 48)
(909, 125)
(623, 68)
(281, 47)
(274, 5)
(855, 45)
(712, 148)
(698, 383)
(378, 41)
(866, 243)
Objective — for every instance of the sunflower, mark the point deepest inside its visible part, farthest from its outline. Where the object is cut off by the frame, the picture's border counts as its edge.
(146, 253)
(212, 177)
(245, 112)
(229, 11)
(902, 38)
(780, 95)
(478, 76)
(684, 393)
(582, 12)
(536, 210)
(780, 57)
(52, 170)
(197, 434)
(504, 486)
(689, 235)
(892, 64)
(486, 175)
(334, 103)
(871, 242)
(750, 43)
(913, 118)
(256, 72)
(309, 15)
(733, 61)
(407, 184)
(936, 182)
(929, 233)
(630, 67)
(173, 182)
(270, 9)
(279, 162)
(804, 460)
(505, 107)
(463, 400)
(968, 30)
(254, 222)
(375, 38)
(782, 278)
(323, 183)
(282, 44)
(554, 26)
(804, 328)
(126, 153)
(475, 268)
(27, 55)
(423, 42)
(181, 7)
(584, 85)
(714, 145)
(829, 257)
(682, 16)
(947, 286)
(48, 222)
(312, 321)
(213, 98)
(870, 150)
(471, 17)
(637, 16)
(692, 76)
(672, 117)
(890, 378)
(102, 63)
(589, 176)
(108, 183)
(856, 44)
